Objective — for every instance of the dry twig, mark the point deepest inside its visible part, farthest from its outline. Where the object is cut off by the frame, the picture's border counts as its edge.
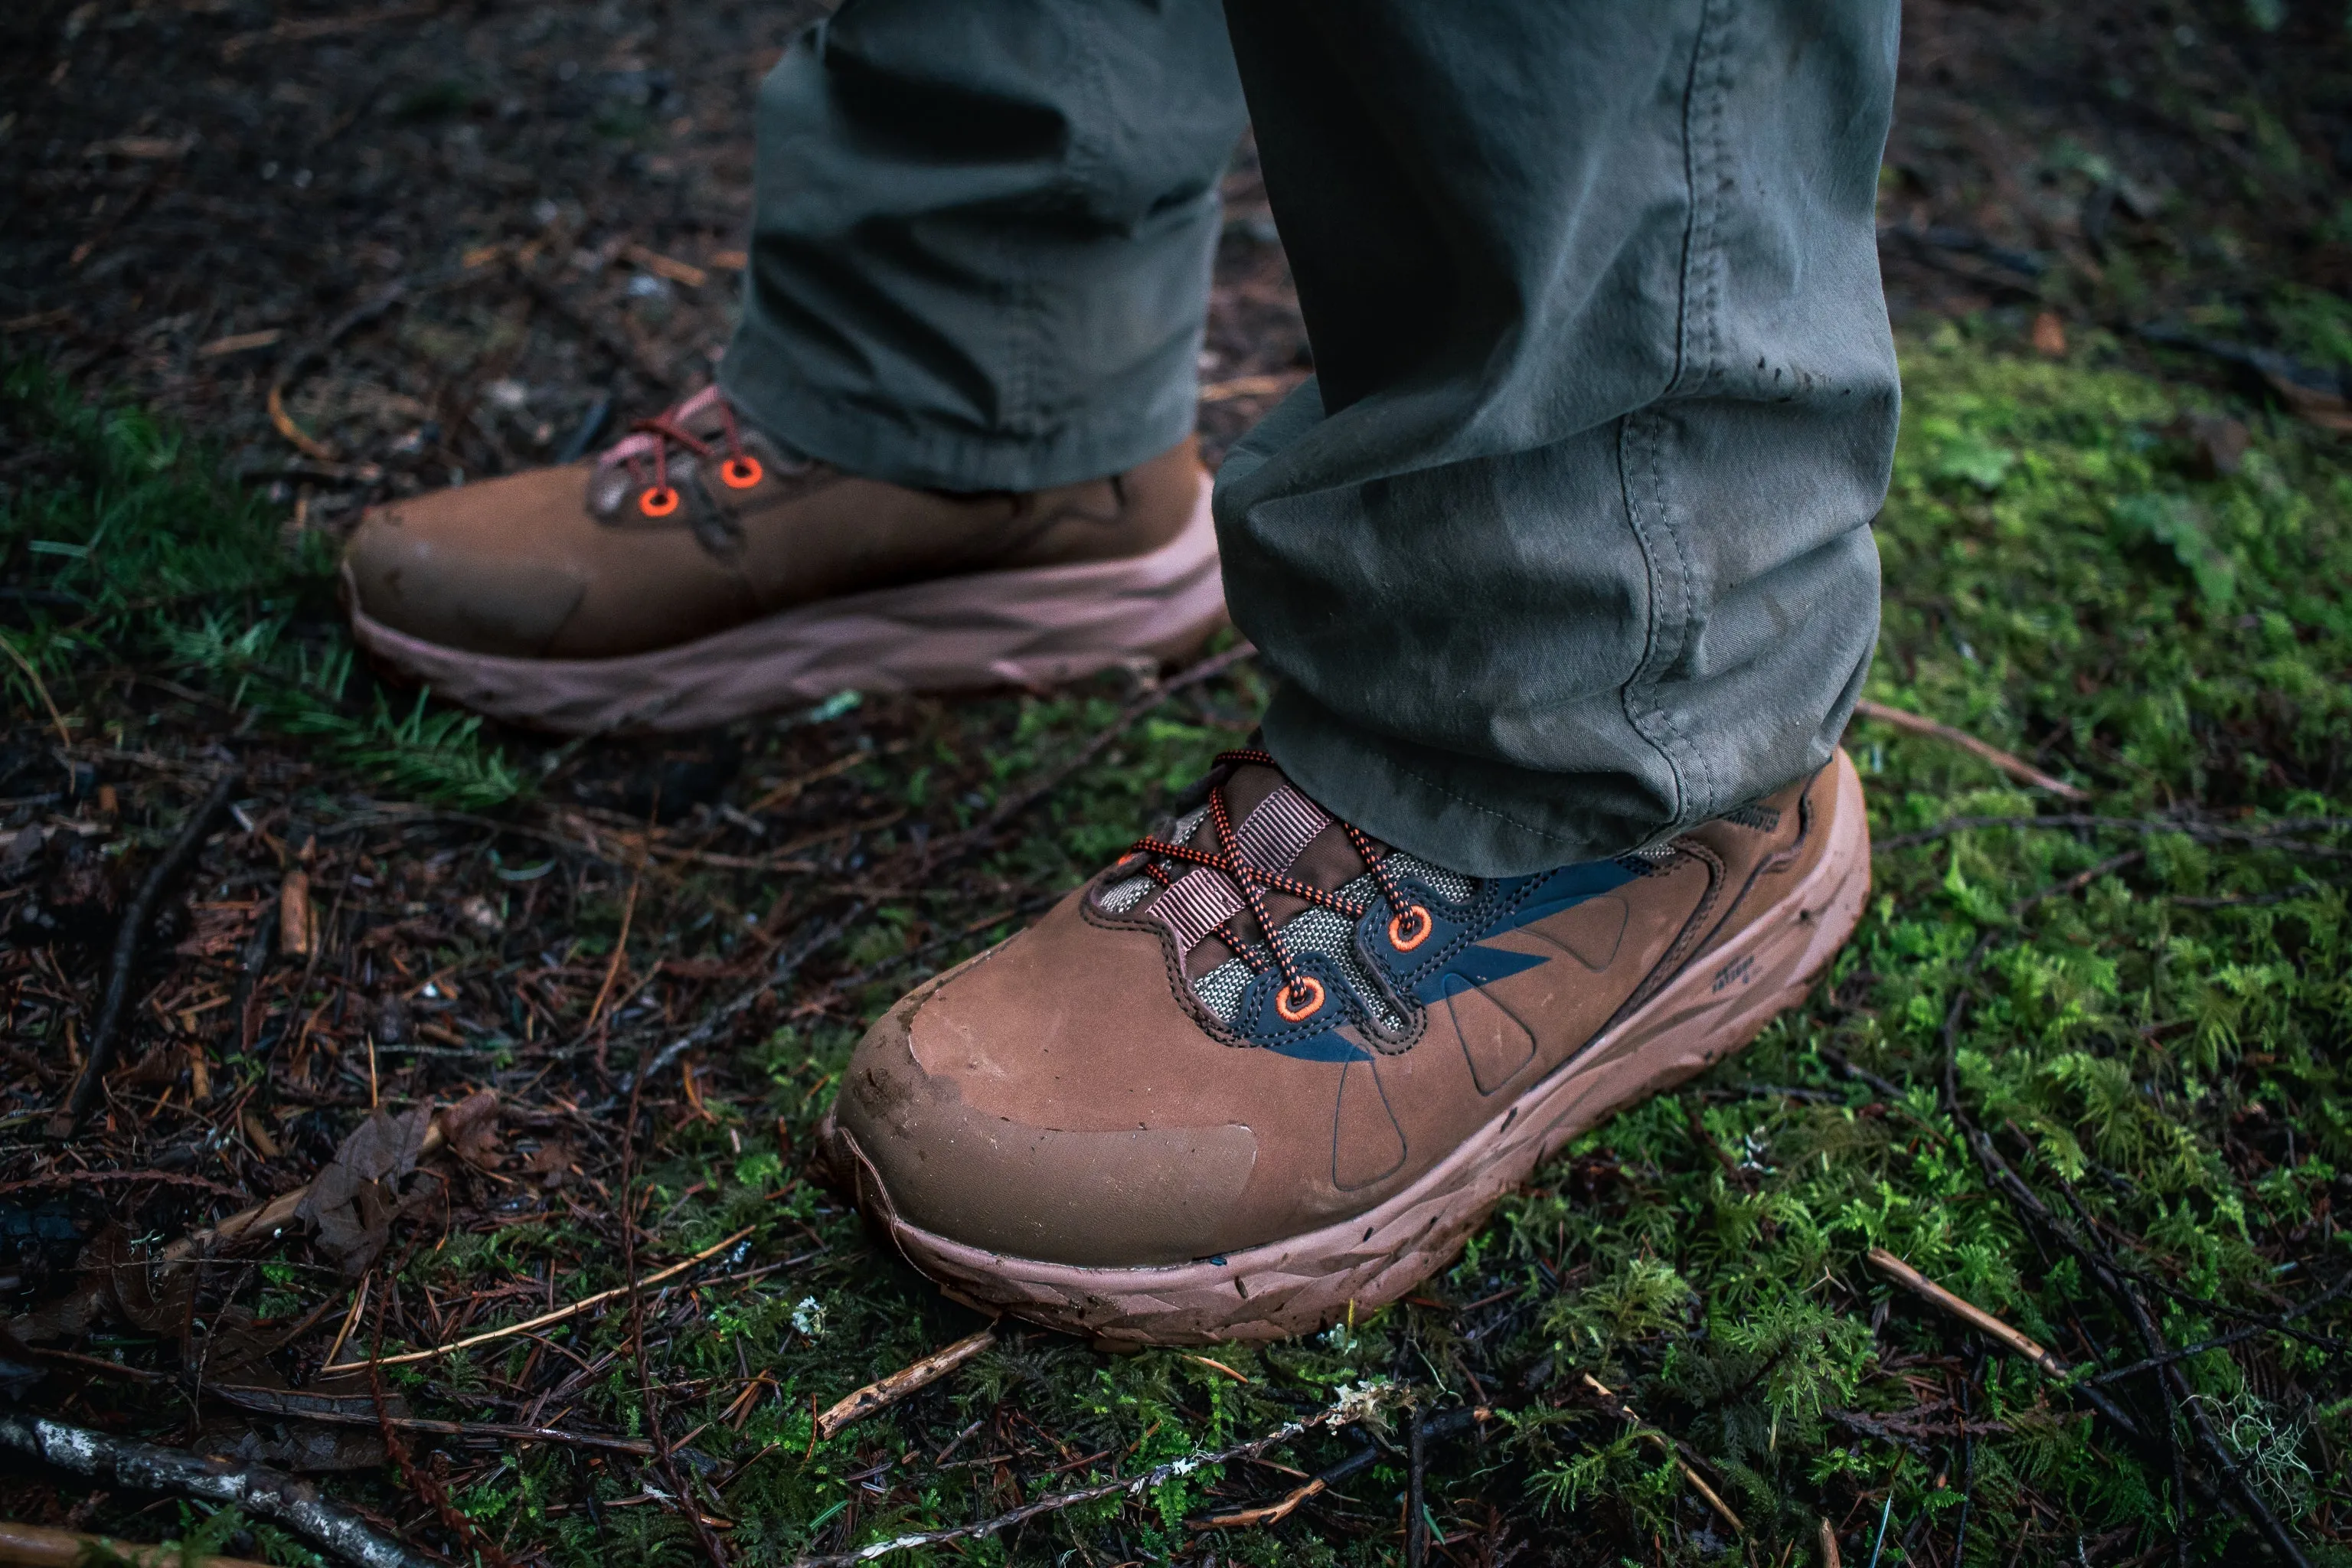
(898, 1385)
(1968, 1311)
(1672, 1449)
(117, 999)
(1352, 1408)
(2015, 767)
(557, 1316)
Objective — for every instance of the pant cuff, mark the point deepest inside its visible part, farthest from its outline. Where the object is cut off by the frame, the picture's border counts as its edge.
(876, 438)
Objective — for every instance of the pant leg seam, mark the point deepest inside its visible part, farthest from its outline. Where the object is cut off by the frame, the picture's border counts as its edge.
(1697, 361)
(1668, 608)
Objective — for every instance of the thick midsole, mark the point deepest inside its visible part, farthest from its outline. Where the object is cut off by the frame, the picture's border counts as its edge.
(1024, 627)
(1300, 1282)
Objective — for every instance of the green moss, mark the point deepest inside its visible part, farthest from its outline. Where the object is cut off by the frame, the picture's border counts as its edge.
(2066, 578)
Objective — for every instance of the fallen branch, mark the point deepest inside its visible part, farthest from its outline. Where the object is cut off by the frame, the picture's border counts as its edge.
(1353, 1405)
(261, 1494)
(557, 1316)
(117, 1001)
(898, 1385)
(30, 1546)
(2015, 767)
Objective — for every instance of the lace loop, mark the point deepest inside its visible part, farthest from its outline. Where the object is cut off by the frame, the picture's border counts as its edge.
(1301, 995)
(739, 470)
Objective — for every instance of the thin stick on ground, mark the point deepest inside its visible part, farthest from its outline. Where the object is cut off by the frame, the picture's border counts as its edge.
(2015, 767)
(1672, 1449)
(1347, 1410)
(335, 1410)
(260, 1493)
(2235, 1492)
(1968, 1311)
(557, 1316)
(889, 1390)
(120, 968)
(787, 964)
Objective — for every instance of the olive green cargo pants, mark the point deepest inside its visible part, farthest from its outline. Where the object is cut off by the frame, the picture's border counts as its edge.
(1565, 545)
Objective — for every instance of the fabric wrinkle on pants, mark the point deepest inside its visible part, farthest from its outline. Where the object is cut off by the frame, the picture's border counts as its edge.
(982, 235)
(1565, 545)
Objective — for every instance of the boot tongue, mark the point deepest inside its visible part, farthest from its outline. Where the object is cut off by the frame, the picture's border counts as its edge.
(1276, 828)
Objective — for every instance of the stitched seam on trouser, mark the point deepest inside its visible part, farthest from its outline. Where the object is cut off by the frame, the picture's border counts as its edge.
(1642, 437)
(1669, 608)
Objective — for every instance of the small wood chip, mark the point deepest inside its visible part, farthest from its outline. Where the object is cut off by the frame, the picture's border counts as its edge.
(238, 342)
(294, 914)
(669, 266)
(1217, 1366)
(898, 1385)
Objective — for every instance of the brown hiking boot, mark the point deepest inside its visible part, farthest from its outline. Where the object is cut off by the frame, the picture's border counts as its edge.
(1265, 1070)
(698, 572)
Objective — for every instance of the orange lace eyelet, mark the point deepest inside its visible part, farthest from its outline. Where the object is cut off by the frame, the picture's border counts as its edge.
(1307, 986)
(740, 473)
(1415, 920)
(659, 501)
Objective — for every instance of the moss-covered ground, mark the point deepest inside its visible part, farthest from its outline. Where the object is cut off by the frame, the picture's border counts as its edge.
(2085, 1065)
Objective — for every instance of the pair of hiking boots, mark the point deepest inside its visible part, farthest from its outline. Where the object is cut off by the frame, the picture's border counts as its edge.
(1260, 1073)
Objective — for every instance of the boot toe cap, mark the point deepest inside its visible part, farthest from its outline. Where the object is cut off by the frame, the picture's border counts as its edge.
(1087, 1196)
(408, 571)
